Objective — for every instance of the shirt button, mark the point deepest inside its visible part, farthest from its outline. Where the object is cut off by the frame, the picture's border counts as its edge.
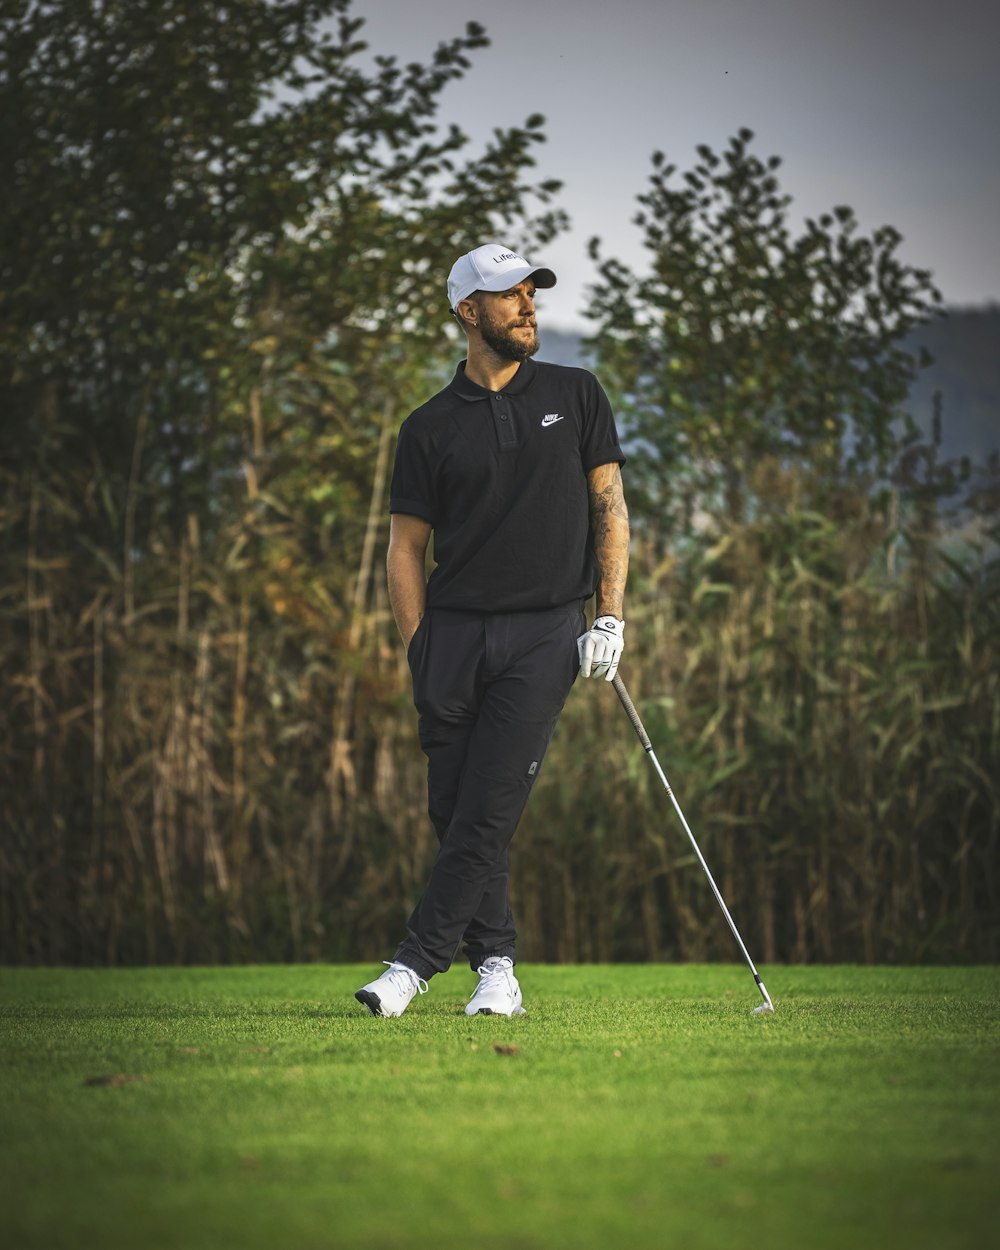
(503, 416)
(499, 397)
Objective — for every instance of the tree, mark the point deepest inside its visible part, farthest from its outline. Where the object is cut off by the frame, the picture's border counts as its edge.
(827, 705)
(155, 150)
(744, 341)
(221, 247)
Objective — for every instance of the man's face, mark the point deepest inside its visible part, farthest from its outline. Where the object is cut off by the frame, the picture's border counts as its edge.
(507, 321)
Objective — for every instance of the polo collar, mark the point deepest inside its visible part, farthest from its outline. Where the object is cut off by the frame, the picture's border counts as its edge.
(471, 391)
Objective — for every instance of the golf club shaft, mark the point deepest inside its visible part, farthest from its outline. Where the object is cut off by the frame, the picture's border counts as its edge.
(647, 746)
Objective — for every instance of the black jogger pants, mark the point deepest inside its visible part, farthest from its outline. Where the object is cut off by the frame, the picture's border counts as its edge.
(488, 688)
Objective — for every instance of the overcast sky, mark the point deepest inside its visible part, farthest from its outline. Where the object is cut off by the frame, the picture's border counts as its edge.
(890, 106)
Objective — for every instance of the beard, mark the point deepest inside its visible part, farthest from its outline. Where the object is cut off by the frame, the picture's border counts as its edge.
(504, 342)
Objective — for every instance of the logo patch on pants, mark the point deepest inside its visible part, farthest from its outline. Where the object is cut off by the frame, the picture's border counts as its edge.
(533, 769)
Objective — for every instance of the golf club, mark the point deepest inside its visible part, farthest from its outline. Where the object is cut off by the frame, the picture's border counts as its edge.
(637, 725)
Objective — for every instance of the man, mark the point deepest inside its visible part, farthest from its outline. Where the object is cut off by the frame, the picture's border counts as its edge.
(516, 469)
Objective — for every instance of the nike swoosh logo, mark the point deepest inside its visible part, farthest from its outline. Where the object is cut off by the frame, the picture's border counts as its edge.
(551, 418)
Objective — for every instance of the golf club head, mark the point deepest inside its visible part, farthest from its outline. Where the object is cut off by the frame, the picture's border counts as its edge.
(764, 1009)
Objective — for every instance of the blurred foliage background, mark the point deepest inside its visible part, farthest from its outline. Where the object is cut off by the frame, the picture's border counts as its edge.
(224, 233)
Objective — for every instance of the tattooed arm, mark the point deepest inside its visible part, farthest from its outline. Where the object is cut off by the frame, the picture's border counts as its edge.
(609, 536)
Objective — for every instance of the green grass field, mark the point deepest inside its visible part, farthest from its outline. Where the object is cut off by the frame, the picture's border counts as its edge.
(632, 1107)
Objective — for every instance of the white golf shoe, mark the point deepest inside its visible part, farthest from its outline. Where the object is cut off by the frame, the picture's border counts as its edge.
(498, 993)
(390, 994)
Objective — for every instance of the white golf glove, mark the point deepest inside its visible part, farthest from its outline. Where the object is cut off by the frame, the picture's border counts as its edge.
(601, 648)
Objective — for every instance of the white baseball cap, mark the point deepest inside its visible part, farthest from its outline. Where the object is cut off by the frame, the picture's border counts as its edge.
(492, 267)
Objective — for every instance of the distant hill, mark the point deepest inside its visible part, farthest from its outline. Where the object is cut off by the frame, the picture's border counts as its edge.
(562, 347)
(965, 345)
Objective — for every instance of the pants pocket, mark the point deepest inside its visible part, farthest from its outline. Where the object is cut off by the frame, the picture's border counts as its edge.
(415, 645)
(416, 656)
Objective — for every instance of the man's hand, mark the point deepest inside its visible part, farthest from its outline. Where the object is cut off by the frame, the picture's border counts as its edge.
(601, 648)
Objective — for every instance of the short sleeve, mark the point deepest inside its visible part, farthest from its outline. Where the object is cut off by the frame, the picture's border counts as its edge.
(412, 487)
(600, 443)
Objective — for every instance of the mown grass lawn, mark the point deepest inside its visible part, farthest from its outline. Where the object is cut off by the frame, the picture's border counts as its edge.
(631, 1107)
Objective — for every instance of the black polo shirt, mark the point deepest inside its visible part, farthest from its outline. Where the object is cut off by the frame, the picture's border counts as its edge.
(502, 478)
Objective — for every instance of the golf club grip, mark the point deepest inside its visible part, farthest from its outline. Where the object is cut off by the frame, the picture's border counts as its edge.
(633, 715)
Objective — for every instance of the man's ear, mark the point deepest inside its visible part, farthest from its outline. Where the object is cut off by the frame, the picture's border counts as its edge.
(467, 312)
